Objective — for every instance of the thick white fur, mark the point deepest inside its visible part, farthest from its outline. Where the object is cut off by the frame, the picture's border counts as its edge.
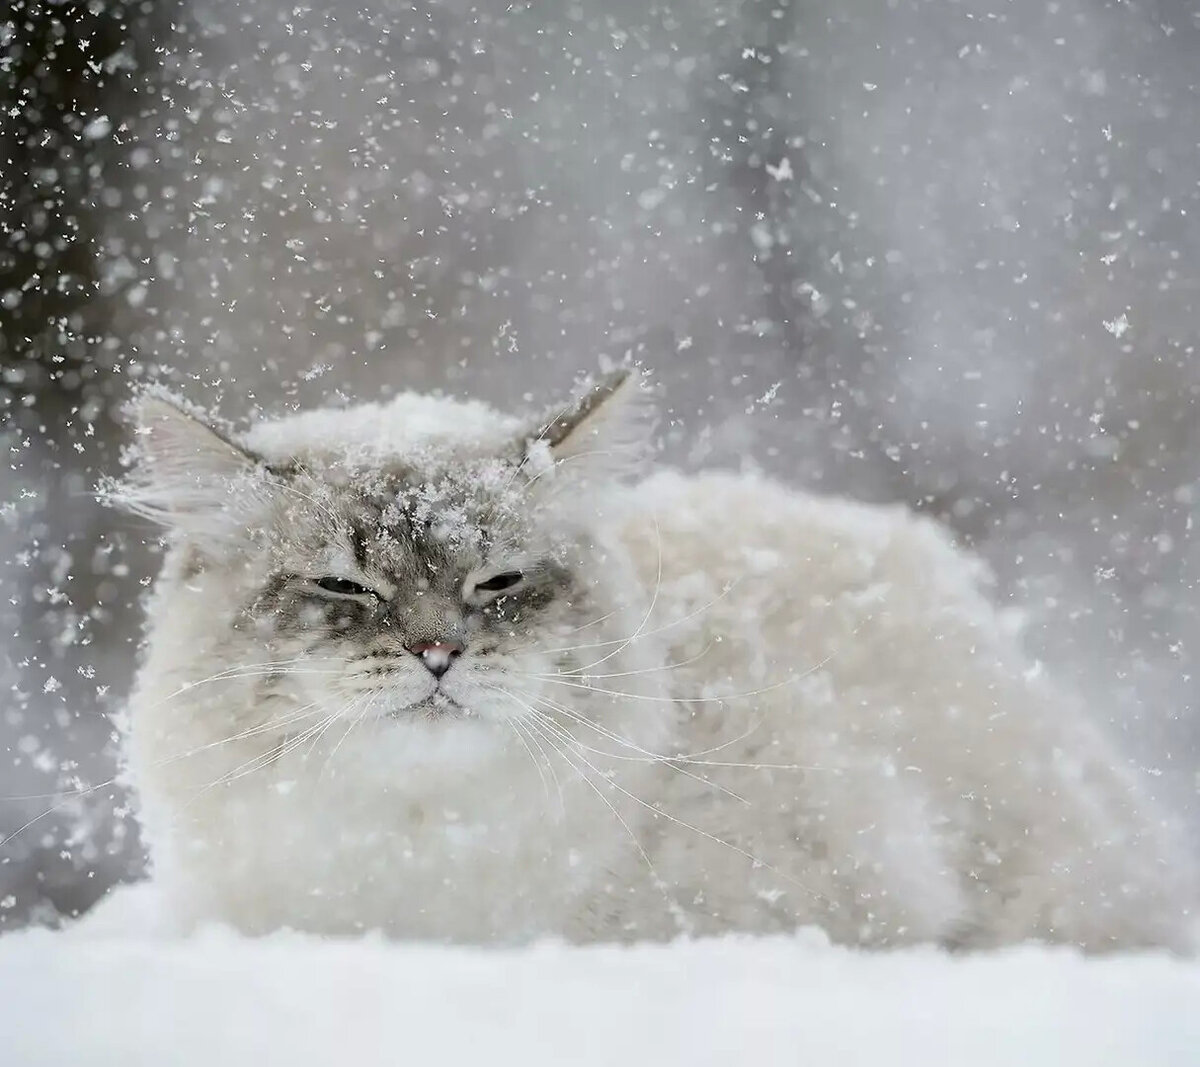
(865, 747)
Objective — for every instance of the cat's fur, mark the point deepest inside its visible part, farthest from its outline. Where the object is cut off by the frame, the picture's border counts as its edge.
(714, 703)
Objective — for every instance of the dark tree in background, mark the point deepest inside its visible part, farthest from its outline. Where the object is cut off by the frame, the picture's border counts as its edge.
(83, 91)
(81, 202)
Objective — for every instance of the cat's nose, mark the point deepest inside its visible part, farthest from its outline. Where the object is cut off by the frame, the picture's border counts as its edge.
(436, 655)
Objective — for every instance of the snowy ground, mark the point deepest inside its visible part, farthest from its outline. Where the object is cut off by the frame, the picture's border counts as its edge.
(92, 996)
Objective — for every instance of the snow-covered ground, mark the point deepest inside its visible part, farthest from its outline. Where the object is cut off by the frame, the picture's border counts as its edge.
(94, 997)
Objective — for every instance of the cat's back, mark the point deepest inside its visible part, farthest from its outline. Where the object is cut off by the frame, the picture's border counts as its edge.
(747, 560)
(843, 674)
(858, 634)
(818, 652)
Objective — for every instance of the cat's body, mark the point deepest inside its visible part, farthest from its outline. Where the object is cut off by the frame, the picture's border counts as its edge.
(856, 740)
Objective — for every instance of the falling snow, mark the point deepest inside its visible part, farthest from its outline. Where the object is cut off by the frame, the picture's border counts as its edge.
(937, 256)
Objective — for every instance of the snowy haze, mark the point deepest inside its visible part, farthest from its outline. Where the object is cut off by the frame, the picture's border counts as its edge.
(931, 252)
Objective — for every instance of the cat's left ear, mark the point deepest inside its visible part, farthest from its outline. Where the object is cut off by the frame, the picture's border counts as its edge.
(185, 474)
(606, 428)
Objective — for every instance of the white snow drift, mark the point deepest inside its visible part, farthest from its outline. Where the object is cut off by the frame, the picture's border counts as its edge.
(92, 997)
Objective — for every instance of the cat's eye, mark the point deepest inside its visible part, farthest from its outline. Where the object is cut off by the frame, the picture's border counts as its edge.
(499, 583)
(342, 587)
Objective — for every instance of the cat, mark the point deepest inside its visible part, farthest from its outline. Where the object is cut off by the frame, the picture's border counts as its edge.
(424, 668)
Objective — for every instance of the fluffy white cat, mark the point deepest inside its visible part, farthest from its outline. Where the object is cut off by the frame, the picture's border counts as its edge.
(425, 668)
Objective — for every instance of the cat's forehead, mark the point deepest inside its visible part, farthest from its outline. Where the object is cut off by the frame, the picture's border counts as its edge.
(395, 514)
(465, 509)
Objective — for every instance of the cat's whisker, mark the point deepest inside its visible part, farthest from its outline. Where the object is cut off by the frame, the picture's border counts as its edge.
(689, 758)
(791, 679)
(658, 811)
(616, 738)
(557, 679)
(237, 668)
(259, 763)
(342, 712)
(594, 622)
(660, 760)
(672, 904)
(514, 725)
(63, 798)
(532, 711)
(642, 755)
(8, 838)
(644, 670)
(368, 704)
(512, 649)
(649, 610)
(305, 711)
(256, 762)
(728, 588)
(288, 745)
(249, 670)
(553, 773)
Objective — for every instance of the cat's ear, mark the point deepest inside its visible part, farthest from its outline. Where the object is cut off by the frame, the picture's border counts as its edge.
(183, 473)
(606, 428)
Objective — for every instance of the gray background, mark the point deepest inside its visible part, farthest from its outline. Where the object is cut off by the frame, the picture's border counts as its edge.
(945, 253)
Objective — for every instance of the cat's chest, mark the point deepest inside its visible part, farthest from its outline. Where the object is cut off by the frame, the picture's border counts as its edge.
(510, 860)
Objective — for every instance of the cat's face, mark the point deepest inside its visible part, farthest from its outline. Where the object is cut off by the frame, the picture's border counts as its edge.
(448, 587)
(424, 598)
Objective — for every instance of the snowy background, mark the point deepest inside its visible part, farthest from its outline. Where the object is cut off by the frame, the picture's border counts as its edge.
(940, 252)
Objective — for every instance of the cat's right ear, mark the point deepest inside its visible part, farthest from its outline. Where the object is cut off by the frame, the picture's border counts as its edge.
(602, 434)
(183, 473)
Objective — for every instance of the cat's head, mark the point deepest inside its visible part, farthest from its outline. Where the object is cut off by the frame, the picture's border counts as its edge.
(423, 560)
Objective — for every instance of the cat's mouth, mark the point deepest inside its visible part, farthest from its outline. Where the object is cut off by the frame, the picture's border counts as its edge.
(435, 706)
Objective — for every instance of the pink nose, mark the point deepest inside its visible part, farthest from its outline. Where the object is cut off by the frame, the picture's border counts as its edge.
(436, 655)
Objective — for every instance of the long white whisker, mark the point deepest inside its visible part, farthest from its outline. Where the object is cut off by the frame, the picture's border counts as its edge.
(513, 725)
(651, 633)
(574, 630)
(644, 670)
(594, 622)
(39, 817)
(649, 610)
(72, 794)
(656, 811)
(690, 757)
(252, 670)
(791, 679)
(672, 904)
(558, 680)
(65, 798)
(284, 748)
(643, 755)
(367, 705)
(340, 713)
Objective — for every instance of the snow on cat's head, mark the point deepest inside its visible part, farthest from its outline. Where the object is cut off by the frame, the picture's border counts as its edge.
(423, 561)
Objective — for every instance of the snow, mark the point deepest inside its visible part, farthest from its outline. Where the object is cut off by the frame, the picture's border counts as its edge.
(98, 996)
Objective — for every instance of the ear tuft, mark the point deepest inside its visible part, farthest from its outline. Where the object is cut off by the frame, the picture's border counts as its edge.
(605, 428)
(183, 473)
